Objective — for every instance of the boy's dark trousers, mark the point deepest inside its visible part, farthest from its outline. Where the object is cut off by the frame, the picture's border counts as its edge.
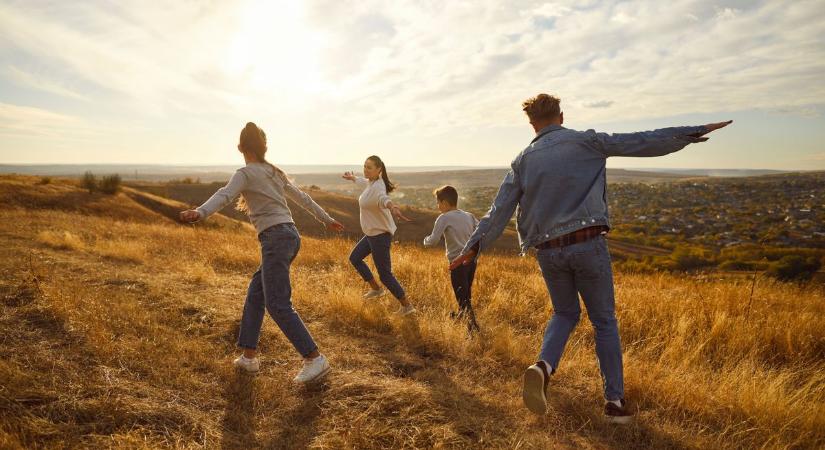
(462, 280)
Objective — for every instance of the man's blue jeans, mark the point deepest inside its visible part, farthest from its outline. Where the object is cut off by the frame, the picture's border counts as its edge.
(583, 268)
(270, 290)
(379, 247)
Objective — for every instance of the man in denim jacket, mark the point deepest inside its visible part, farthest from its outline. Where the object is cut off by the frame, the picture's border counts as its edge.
(557, 187)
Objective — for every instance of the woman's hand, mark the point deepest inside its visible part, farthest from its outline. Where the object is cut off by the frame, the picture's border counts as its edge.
(348, 176)
(396, 212)
(335, 226)
(190, 216)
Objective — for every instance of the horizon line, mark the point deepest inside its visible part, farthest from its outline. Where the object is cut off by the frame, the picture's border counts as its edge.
(448, 166)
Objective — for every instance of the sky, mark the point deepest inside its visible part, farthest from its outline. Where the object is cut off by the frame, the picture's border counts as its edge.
(418, 83)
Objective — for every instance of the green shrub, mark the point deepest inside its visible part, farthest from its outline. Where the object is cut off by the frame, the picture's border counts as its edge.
(634, 266)
(691, 258)
(794, 268)
(110, 184)
(89, 182)
(736, 265)
(45, 180)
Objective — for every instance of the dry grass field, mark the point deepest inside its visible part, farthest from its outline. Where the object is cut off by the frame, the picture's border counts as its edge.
(118, 326)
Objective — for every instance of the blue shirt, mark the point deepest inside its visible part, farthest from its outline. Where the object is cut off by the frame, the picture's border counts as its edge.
(558, 184)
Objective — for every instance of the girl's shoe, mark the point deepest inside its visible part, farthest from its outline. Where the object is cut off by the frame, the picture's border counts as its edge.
(313, 370)
(406, 310)
(534, 392)
(374, 293)
(251, 365)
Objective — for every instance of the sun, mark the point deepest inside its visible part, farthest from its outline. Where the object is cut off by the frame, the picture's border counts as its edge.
(274, 49)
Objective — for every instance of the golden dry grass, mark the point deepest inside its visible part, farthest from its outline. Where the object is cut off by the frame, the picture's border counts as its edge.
(106, 351)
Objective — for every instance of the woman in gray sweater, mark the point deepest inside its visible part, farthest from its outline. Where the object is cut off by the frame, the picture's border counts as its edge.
(263, 188)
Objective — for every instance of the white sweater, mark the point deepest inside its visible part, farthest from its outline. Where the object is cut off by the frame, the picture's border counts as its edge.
(375, 215)
(263, 190)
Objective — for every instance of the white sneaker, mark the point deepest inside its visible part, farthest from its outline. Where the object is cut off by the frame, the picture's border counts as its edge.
(406, 310)
(534, 391)
(313, 370)
(374, 293)
(251, 365)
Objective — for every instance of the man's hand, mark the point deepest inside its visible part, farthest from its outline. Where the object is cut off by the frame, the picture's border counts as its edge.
(464, 259)
(190, 216)
(711, 127)
(335, 226)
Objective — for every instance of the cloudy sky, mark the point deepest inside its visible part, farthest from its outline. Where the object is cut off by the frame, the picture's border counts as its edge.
(419, 83)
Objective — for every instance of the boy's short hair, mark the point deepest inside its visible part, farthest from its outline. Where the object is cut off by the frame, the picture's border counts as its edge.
(542, 106)
(448, 194)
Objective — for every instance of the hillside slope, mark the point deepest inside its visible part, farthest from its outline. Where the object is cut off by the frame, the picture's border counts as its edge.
(120, 334)
(345, 209)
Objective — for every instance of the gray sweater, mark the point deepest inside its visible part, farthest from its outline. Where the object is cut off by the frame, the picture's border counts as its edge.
(264, 191)
(455, 226)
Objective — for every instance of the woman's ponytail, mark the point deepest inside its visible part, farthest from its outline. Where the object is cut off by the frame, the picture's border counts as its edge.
(384, 176)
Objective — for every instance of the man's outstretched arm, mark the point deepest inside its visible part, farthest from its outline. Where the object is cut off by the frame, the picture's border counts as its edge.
(491, 226)
(652, 143)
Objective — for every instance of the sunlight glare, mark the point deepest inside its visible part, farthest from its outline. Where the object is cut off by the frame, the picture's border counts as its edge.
(274, 50)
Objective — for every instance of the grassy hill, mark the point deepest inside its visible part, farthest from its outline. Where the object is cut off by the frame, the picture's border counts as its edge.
(342, 207)
(118, 328)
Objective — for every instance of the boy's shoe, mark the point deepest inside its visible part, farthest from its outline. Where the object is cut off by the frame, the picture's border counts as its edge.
(313, 370)
(617, 414)
(534, 392)
(406, 310)
(251, 365)
(374, 293)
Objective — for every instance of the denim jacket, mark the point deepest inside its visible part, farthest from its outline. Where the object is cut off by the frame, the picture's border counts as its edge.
(557, 184)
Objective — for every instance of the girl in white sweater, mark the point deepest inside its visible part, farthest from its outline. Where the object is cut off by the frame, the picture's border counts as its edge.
(376, 213)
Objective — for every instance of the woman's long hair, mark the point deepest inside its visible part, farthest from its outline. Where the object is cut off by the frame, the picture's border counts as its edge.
(380, 164)
(253, 142)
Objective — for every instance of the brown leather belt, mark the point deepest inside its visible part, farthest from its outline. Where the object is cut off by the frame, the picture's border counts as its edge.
(585, 234)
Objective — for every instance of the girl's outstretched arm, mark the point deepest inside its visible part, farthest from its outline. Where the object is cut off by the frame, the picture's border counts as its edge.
(218, 200)
(305, 201)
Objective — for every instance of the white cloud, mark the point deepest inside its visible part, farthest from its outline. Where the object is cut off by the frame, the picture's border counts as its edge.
(42, 83)
(417, 69)
(23, 121)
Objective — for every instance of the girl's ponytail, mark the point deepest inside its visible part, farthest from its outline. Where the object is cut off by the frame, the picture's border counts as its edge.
(253, 141)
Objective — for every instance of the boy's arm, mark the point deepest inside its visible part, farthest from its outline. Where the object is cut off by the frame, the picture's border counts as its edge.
(223, 196)
(438, 232)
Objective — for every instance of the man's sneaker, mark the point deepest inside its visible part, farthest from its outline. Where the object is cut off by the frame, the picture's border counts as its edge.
(374, 293)
(534, 392)
(251, 365)
(617, 414)
(406, 310)
(313, 370)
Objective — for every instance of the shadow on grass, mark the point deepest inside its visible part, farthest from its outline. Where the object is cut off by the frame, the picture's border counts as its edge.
(300, 423)
(238, 421)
